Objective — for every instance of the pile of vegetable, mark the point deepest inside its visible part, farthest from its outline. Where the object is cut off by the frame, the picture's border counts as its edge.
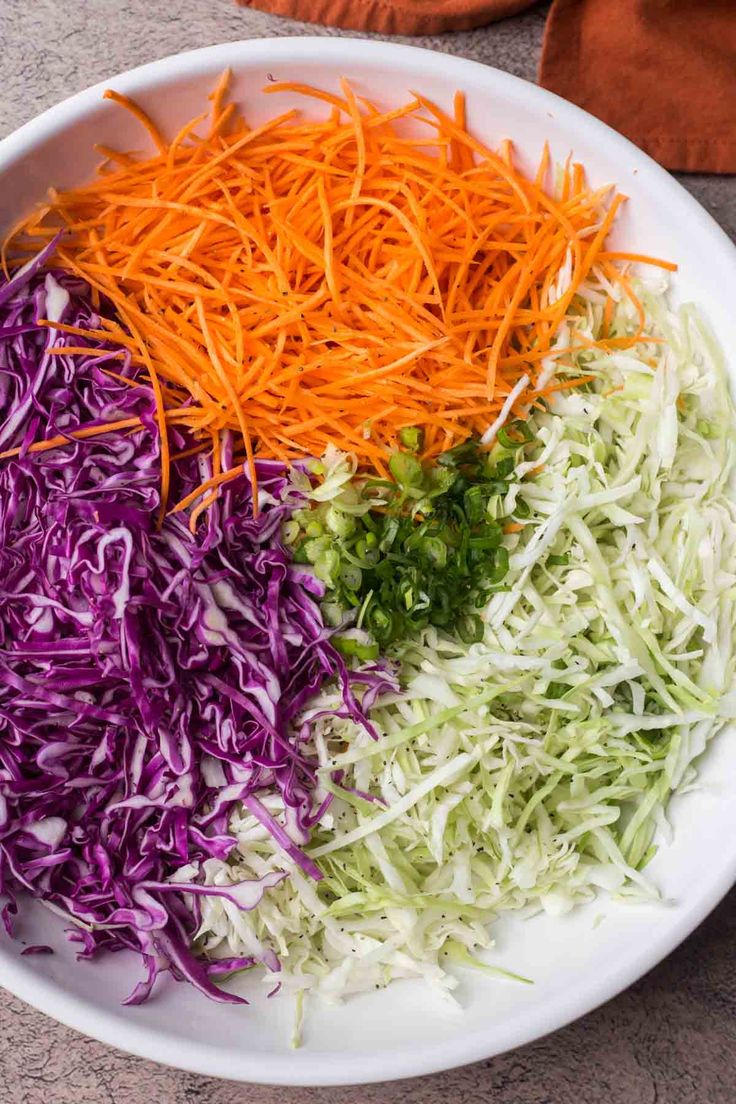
(425, 549)
(530, 769)
(367, 551)
(149, 679)
(332, 282)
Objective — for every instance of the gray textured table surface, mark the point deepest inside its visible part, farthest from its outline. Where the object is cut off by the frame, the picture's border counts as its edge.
(671, 1039)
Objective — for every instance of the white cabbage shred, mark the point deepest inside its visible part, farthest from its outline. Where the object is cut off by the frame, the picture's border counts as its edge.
(532, 770)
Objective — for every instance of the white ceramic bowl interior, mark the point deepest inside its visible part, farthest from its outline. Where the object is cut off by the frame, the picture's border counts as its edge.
(576, 961)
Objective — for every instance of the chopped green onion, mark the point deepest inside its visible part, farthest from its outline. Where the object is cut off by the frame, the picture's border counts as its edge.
(501, 566)
(423, 550)
(390, 531)
(351, 576)
(412, 438)
(496, 487)
(505, 440)
(457, 455)
(313, 549)
(299, 555)
(372, 524)
(380, 621)
(364, 609)
(406, 470)
(435, 550)
(339, 523)
(473, 503)
(352, 647)
(290, 531)
(327, 565)
(470, 629)
(505, 467)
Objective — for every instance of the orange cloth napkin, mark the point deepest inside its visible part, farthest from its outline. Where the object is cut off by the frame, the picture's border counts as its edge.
(395, 17)
(662, 72)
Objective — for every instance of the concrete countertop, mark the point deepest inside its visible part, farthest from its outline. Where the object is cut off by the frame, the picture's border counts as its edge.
(671, 1038)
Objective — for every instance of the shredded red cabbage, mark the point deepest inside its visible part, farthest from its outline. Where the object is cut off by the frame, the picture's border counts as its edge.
(149, 680)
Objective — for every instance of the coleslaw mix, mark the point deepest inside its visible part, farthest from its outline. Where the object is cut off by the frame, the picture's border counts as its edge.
(367, 552)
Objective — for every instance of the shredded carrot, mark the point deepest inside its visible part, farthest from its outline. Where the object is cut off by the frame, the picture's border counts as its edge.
(331, 281)
(83, 433)
(200, 508)
(513, 527)
(185, 453)
(75, 435)
(59, 350)
(637, 258)
(140, 114)
(209, 484)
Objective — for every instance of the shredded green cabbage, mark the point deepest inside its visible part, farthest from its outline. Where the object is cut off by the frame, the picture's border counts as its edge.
(532, 770)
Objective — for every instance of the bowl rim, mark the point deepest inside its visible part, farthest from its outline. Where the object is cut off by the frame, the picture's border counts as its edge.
(319, 1068)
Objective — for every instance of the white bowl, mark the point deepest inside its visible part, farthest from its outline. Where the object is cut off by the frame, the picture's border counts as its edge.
(576, 962)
